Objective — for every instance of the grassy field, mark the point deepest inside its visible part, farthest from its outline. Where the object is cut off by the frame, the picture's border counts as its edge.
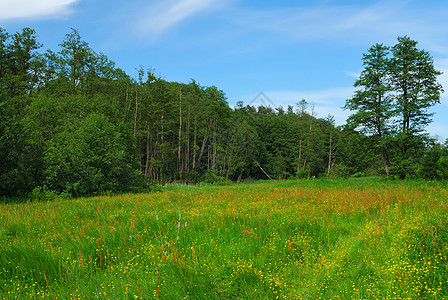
(349, 239)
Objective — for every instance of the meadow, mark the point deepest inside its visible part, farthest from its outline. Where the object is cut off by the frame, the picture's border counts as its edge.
(362, 238)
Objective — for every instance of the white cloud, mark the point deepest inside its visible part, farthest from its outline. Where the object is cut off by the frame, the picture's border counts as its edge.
(381, 22)
(165, 14)
(354, 75)
(34, 9)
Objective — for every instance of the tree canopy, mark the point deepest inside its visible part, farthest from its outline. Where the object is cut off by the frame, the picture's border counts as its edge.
(398, 87)
(72, 122)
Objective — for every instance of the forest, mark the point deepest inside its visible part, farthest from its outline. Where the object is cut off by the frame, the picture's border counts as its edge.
(74, 123)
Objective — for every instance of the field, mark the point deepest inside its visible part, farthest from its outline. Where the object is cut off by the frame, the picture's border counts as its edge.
(349, 239)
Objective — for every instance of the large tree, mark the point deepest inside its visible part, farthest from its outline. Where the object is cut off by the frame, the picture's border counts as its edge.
(414, 81)
(394, 100)
(76, 58)
(372, 102)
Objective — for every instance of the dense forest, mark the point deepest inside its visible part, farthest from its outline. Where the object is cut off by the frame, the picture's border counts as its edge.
(73, 123)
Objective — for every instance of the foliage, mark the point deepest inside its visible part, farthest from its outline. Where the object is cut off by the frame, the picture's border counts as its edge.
(373, 104)
(429, 165)
(211, 178)
(339, 171)
(442, 167)
(393, 104)
(44, 194)
(303, 174)
(95, 158)
(71, 121)
(12, 149)
(414, 79)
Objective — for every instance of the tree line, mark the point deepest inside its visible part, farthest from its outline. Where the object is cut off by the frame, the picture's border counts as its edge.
(72, 122)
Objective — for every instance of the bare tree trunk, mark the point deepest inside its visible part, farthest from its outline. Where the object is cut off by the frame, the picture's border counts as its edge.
(187, 150)
(179, 161)
(215, 151)
(229, 160)
(152, 168)
(239, 177)
(129, 107)
(147, 152)
(263, 170)
(309, 137)
(329, 159)
(383, 150)
(136, 111)
(203, 145)
(163, 156)
(208, 157)
(194, 139)
(385, 161)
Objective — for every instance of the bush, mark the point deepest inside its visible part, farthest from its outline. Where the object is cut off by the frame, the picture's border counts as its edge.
(303, 174)
(192, 177)
(359, 174)
(211, 178)
(157, 188)
(339, 171)
(42, 194)
(99, 157)
(442, 167)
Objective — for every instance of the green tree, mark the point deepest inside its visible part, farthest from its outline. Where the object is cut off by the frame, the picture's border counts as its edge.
(4, 60)
(429, 164)
(18, 59)
(241, 146)
(331, 143)
(97, 157)
(22, 55)
(414, 82)
(372, 103)
(442, 167)
(355, 152)
(76, 58)
(12, 149)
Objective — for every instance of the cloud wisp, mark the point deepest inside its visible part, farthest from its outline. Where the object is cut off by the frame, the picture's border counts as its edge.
(346, 23)
(11, 10)
(160, 16)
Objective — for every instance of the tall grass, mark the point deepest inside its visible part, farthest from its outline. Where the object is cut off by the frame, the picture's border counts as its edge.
(346, 239)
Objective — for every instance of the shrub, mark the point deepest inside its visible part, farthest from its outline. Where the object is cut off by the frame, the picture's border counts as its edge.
(359, 174)
(339, 171)
(211, 178)
(303, 174)
(42, 194)
(442, 167)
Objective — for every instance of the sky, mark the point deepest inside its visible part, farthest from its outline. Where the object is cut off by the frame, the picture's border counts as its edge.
(286, 50)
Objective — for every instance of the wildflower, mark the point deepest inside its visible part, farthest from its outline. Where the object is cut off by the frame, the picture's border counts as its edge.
(185, 223)
(178, 224)
(157, 217)
(179, 216)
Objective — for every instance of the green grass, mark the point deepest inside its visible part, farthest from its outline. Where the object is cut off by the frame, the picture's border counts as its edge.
(363, 238)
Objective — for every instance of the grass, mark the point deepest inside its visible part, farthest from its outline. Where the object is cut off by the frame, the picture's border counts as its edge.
(340, 239)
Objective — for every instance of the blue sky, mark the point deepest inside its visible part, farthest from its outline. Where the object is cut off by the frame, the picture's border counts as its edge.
(290, 50)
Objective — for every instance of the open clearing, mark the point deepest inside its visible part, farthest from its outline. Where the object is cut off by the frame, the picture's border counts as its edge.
(348, 239)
